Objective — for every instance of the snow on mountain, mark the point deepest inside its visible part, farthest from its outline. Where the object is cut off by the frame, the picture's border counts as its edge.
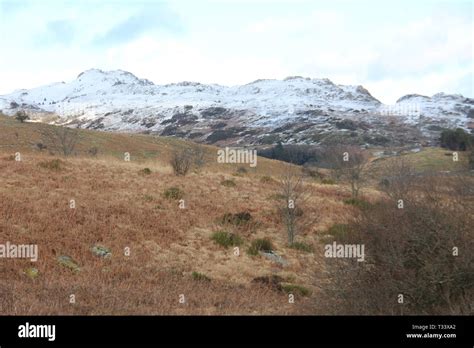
(440, 104)
(296, 109)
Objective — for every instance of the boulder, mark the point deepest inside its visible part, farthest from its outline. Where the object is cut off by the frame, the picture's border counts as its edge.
(68, 262)
(271, 255)
(101, 251)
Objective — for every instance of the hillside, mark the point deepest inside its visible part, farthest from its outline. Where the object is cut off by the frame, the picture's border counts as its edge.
(155, 249)
(118, 206)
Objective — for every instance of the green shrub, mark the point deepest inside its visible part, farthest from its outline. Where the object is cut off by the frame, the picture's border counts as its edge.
(270, 139)
(359, 203)
(266, 179)
(174, 193)
(55, 164)
(145, 171)
(338, 231)
(457, 139)
(237, 219)
(31, 272)
(200, 277)
(273, 281)
(277, 197)
(295, 289)
(302, 246)
(228, 183)
(260, 245)
(242, 170)
(346, 124)
(148, 198)
(226, 239)
(327, 181)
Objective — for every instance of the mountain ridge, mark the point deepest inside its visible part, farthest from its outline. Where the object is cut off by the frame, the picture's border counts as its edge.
(301, 109)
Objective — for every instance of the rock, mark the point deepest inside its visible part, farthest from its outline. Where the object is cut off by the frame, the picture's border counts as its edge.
(68, 262)
(271, 255)
(31, 272)
(101, 251)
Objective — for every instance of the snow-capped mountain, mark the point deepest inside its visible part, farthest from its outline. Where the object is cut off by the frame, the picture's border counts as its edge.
(297, 109)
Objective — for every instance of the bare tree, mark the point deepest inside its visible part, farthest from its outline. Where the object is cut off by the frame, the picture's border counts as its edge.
(295, 195)
(332, 157)
(21, 116)
(348, 163)
(355, 168)
(61, 140)
(398, 177)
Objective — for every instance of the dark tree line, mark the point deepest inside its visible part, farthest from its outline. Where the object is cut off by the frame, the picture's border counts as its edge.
(456, 139)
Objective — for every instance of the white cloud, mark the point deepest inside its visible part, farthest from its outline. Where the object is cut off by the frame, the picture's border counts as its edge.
(425, 51)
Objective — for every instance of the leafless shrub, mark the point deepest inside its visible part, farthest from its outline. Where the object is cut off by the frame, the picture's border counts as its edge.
(398, 178)
(93, 151)
(198, 156)
(463, 186)
(181, 161)
(331, 156)
(61, 140)
(421, 252)
(312, 172)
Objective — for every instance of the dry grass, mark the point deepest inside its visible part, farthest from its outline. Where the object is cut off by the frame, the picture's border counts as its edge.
(118, 207)
(429, 159)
